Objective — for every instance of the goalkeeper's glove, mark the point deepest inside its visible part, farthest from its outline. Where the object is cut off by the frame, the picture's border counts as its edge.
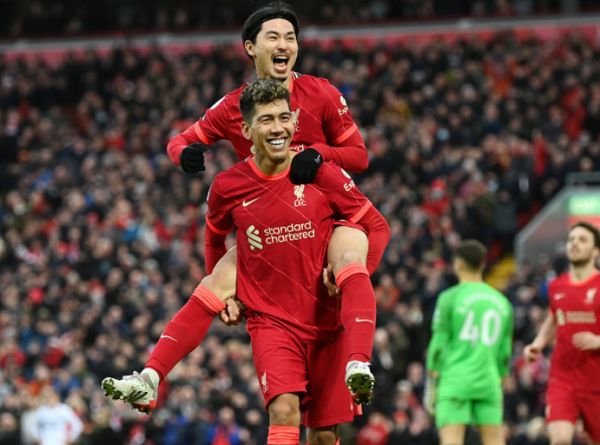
(430, 394)
(305, 166)
(191, 158)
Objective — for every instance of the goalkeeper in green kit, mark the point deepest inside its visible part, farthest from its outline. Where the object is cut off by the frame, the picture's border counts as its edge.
(469, 352)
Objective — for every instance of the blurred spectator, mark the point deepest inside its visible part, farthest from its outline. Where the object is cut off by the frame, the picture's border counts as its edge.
(55, 423)
(38, 18)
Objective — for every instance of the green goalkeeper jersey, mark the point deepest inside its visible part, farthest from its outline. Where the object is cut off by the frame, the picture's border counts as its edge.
(472, 340)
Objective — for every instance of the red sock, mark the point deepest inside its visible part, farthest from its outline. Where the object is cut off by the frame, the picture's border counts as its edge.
(358, 311)
(283, 435)
(185, 330)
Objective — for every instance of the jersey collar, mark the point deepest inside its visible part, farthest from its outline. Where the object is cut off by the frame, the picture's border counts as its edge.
(261, 175)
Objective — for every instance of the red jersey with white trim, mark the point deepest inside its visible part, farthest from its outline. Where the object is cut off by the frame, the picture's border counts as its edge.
(319, 110)
(282, 235)
(576, 308)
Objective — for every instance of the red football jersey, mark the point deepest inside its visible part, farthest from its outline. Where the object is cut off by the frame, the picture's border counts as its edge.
(576, 308)
(282, 235)
(320, 112)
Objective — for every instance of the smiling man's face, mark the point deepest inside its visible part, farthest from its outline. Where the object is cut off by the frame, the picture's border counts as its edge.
(275, 51)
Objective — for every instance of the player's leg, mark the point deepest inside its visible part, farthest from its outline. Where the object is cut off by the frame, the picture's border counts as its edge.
(589, 403)
(280, 361)
(561, 432)
(561, 413)
(182, 334)
(487, 415)
(347, 253)
(451, 416)
(452, 434)
(328, 402)
(327, 435)
(284, 420)
(492, 435)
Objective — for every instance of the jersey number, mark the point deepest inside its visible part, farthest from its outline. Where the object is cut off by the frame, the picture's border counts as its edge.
(487, 332)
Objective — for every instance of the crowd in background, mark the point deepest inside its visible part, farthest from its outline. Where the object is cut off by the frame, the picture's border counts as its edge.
(101, 237)
(41, 18)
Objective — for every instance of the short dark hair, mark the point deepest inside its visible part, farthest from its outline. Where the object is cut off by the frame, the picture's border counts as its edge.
(589, 227)
(472, 252)
(274, 10)
(261, 91)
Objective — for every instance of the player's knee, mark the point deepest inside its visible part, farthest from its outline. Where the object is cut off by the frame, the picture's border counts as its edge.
(347, 246)
(221, 288)
(285, 410)
(321, 436)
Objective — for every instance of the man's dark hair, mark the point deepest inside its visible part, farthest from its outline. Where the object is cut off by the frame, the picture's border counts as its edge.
(472, 252)
(261, 91)
(274, 10)
(589, 227)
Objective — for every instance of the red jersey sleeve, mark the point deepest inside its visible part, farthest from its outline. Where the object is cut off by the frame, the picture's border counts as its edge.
(207, 130)
(219, 222)
(347, 147)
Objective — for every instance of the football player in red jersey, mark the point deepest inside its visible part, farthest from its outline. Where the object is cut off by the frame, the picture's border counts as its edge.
(324, 131)
(574, 320)
(298, 344)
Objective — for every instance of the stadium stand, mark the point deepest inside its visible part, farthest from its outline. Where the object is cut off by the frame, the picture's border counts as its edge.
(101, 237)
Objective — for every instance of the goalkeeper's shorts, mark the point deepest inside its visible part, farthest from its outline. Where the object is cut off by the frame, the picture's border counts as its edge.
(454, 411)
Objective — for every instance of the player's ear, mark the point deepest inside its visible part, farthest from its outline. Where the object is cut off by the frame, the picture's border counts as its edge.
(246, 130)
(249, 47)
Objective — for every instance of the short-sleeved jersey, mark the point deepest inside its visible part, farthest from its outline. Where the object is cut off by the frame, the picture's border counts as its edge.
(576, 308)
(282, 235)
(319, 110)
(472, 341)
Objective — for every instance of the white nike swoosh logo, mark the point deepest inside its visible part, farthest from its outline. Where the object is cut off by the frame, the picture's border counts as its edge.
(559, 296)
(363, 320)
(169, 337)
(247, 203)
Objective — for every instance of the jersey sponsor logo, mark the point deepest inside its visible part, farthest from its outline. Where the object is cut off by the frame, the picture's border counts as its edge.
(589, 296)
(247, 203)
(348, 185)
(559, 296)
(575, 317)
(299, 192)
(289, 233)
(254, 238)
(581, 317)
(344, 109)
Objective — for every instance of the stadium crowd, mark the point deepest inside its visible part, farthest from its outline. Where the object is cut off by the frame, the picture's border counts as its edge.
(39, 18)
(101, 237)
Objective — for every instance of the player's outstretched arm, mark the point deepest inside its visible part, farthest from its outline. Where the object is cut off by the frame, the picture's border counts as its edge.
(546, 334)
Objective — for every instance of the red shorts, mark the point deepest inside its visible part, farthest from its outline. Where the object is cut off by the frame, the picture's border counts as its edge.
(563, 403)
(315, 371)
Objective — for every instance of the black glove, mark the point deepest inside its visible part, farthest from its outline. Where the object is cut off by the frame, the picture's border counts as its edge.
(305, 166)
(191, 158)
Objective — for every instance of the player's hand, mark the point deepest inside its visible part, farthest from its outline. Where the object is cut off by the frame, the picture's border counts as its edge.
(532, 352)
(191, 158)
(430, 395)
(586, 341)
(305, 166)
(329, 281)
(233, 313)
